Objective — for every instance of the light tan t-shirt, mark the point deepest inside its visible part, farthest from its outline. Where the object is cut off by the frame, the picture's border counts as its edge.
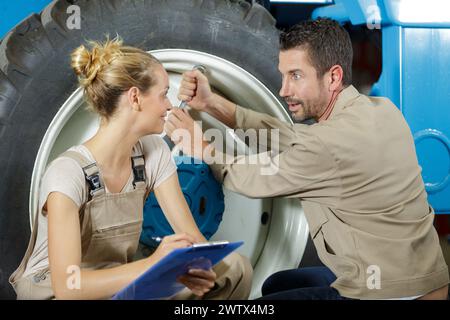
(65, 175)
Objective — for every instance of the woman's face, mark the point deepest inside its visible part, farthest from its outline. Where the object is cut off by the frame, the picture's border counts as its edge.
(155, 103)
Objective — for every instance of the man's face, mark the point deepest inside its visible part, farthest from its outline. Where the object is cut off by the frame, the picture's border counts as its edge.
(304, 93)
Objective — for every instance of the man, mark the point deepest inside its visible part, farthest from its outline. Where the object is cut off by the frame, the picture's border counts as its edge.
(355, 172)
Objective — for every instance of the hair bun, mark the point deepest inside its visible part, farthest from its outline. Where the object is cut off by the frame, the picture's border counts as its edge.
(86, 64)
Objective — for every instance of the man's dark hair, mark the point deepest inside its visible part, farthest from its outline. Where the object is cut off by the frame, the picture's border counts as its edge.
(326, 42)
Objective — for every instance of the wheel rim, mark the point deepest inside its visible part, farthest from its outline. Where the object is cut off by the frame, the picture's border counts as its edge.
(276, 245)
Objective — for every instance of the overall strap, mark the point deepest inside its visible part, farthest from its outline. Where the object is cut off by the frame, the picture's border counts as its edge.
(138, 166)
(91, 173)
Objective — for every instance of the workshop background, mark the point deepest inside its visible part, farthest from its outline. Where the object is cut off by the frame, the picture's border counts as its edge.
(401, 51)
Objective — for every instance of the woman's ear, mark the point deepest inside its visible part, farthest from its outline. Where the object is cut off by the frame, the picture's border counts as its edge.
(133, 95)
(336, 77)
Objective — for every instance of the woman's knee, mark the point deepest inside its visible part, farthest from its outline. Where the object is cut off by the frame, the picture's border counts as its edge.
(241, 268)
(234, 276)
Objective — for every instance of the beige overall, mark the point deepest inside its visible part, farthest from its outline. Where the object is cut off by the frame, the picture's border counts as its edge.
(110, 230)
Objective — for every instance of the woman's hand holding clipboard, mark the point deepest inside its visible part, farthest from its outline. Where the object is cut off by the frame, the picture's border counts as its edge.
(200, 278)
(160, 280)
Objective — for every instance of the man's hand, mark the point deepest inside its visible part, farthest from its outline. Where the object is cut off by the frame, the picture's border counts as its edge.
(185, 133)
(196, 91)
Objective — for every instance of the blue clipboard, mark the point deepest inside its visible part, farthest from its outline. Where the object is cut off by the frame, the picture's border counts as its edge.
(159, 281)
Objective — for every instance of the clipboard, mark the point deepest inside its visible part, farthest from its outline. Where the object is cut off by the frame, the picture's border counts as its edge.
(159, 281)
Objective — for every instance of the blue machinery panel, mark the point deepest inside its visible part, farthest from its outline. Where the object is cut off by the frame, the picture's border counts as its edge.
(12, 12)
(415, 76)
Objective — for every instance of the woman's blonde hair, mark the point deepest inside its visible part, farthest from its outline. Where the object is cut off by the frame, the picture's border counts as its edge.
(108, 69)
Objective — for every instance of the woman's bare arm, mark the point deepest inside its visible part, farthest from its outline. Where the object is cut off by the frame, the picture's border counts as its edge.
(172, 202)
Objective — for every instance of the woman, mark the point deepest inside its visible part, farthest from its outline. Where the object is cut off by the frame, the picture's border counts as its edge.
(91, 197)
